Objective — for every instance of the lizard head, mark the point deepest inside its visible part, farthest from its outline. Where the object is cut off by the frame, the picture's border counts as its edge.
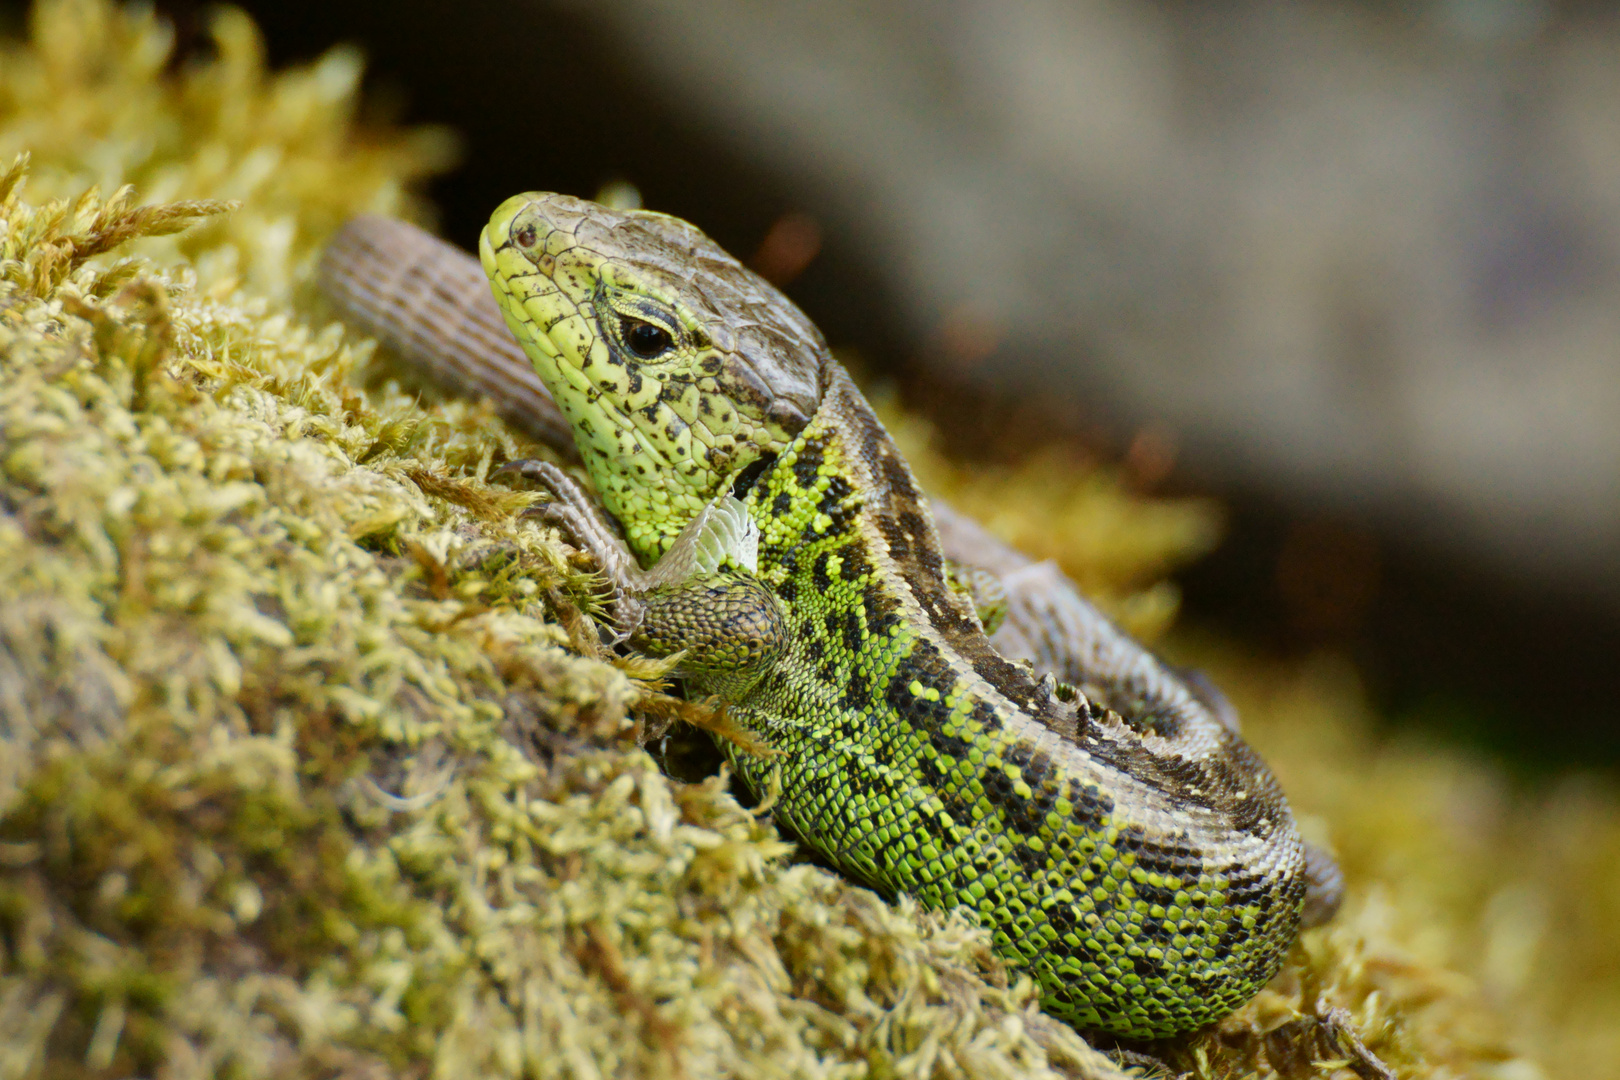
(676, 366)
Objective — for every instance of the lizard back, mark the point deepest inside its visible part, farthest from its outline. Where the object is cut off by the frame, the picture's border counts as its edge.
(1147, 873)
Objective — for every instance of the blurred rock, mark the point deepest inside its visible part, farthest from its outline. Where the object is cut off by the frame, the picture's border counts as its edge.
(1364, 256)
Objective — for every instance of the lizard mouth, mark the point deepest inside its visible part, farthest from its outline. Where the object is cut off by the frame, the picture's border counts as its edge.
(659, 378)
(771, 352)
(518, 249)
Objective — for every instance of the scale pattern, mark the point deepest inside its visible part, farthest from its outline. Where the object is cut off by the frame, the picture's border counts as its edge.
(920, 764)
(1145, 869)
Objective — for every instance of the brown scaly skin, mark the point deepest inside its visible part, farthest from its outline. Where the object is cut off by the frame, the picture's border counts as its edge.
(1143, 867)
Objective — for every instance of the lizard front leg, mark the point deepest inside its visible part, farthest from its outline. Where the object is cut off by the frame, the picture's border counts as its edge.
(578, 515)
(692, 600)
(728, 623)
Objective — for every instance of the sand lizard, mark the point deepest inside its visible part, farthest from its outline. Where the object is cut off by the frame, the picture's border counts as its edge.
(1099, 814)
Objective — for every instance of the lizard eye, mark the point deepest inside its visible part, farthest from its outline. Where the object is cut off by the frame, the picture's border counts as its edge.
(645, 339)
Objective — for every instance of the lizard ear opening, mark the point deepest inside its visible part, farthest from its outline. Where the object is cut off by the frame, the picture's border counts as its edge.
(750, 474)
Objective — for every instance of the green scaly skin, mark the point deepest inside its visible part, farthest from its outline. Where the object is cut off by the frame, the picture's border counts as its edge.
(1144, 868)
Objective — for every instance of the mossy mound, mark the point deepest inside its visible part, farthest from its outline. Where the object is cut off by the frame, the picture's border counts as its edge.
(310, 765)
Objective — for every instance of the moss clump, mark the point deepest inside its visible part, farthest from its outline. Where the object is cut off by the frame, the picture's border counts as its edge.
(91, 97)
(309, 763)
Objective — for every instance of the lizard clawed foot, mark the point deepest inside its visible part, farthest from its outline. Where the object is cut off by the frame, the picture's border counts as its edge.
(578, 515)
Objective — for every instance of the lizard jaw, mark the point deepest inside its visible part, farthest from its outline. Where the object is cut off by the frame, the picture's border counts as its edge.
(662, 430)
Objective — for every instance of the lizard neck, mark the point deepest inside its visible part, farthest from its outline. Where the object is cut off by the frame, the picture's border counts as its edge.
(843, 481)
(655, 494)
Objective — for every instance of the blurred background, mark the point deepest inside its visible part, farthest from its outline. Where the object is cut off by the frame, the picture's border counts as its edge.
(1353, 267)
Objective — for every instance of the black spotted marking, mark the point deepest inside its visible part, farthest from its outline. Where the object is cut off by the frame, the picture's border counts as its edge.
(1146, 967)
(842, 514)
(1159, 722)
(818, 572)
(931, 605)
(880, 610)
(1058, 913)
(812, 455)
(952, 746)
(984, 716)
(928, 669)
(1038, 769)
(1154, 894)
(838, 489)
(851, 630)
(1213, 782)
(1229, 940)
(913, 525)
(1028, 815)
(931, 772)
(854, 621)
(911, 544)
(898, 478)
(1088, 952)
(1000, 790)
(1184, 772)
(1090, 804)
(919, 712)
(857, 695)
(788, 590)
(895, 536)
